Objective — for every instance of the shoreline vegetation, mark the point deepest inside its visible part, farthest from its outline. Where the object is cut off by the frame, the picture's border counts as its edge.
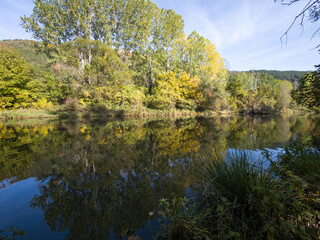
(242, 196)
(102, 112)
(147, 66)
(33, 88)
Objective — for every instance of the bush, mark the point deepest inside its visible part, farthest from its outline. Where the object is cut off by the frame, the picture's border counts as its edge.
(160, 102)
(43, 104)
(71, 105)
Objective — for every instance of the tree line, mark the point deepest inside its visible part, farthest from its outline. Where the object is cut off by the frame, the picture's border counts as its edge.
(124, 54)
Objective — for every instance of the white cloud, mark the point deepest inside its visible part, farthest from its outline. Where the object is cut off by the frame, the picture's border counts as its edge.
(246, 32)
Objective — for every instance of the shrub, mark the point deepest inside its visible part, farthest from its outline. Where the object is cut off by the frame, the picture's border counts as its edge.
(43, 104)
(71, 105)
(245, 197)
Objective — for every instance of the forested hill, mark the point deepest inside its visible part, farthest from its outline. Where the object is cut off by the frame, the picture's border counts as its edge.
(27, 50)
(291, 76)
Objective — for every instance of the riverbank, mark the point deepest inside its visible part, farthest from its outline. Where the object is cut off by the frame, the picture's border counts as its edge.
(93, 112)
(241, 196)
(27, 114)
(103, 112)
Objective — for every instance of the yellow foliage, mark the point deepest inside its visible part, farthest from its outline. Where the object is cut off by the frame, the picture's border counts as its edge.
(43, 104)
(43, 130)
(83, 129)
(86, 94)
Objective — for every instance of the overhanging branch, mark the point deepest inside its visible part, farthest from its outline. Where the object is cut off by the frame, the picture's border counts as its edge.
(301, 15)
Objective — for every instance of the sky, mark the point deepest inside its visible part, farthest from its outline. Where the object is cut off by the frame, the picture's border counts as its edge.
(246, 32)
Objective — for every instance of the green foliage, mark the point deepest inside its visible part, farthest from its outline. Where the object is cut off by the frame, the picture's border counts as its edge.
(149, 41)
(28, 51)
(308, 92)
(297, 161)
(98, 65)
(171, 92)
(291, 76)
(236, 187)
(15, 73)
(47, 85)
(284, 97)
(97, 50)
(183, 220)
(43, 104)
(242, 198)
(166, 92)
(113, 96)
(237, 92)
(214, 96)
(258, 92)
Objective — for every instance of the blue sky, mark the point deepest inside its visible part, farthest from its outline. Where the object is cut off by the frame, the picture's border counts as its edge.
(246, 32)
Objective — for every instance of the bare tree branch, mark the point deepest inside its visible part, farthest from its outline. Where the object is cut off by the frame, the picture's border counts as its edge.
(301, 15)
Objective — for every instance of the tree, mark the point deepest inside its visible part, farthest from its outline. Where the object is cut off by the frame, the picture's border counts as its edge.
(238, 94)
(170, 92)
(284, 99)
(166, 92)
(105, 67)
(114, 43)
(308, 92)
(122, 24)
(200, 59)
(158, 54)
(15, 73)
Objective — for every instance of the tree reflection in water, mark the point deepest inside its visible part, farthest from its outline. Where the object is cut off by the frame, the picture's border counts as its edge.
(100, 179)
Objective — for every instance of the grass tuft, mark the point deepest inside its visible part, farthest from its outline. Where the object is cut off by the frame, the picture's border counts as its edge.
(242, 196)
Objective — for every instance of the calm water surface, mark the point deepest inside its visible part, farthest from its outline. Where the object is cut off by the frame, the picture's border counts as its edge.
(100, 179)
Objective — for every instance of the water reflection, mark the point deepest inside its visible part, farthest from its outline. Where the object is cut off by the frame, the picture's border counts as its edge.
(100, 179)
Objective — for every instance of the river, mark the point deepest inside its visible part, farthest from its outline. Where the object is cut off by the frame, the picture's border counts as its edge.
(103, 179)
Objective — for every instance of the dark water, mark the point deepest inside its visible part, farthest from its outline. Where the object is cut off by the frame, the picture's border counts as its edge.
(102, 179)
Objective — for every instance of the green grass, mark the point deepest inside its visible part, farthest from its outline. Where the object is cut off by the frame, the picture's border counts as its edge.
(26, 114)
(240, 197)
(299, 162)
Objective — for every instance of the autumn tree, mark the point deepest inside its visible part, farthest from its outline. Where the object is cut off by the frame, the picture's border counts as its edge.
(172, 92)
(15, 74)
(158, 54)
(115, 44)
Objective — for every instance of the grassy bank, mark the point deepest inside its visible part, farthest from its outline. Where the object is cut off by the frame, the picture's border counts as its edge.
(27, 114)
(240, 196)
(72, 110)
(100, 111)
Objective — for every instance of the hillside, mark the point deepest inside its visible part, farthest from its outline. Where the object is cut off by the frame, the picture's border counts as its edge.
(28, 51)
(291, 76)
